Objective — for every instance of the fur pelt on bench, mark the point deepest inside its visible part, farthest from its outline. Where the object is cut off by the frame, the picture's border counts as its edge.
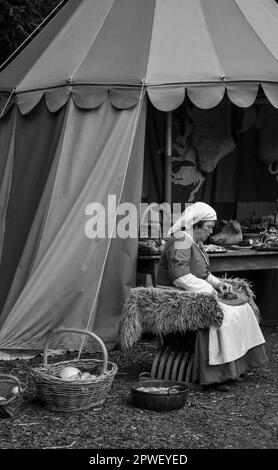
(164, 311)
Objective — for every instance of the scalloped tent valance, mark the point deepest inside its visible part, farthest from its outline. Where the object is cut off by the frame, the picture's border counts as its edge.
(94, 49)
(84, 97)
(203, 96)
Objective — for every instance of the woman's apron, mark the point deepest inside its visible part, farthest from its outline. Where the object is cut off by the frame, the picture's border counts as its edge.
(238, 333)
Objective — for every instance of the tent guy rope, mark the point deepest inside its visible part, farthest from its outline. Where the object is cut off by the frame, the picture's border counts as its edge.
(7, 102)
(30, 35)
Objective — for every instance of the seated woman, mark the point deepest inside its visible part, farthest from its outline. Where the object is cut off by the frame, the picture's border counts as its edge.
(223, 353)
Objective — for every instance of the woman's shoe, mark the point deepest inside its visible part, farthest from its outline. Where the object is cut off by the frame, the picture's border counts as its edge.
(223, 388)
(218, 387)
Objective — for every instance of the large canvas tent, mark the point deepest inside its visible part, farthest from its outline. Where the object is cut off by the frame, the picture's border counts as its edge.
(73, 112)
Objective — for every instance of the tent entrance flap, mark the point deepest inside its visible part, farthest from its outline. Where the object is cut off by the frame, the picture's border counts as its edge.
(113, 226)
(67, 267)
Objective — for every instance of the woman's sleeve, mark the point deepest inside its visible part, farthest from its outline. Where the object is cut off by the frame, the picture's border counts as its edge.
(178, 262)
(213, 280)
(180, 275)
(192, 283)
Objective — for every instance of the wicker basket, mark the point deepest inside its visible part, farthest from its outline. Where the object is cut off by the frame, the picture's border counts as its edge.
(10, 407)
(75, 395)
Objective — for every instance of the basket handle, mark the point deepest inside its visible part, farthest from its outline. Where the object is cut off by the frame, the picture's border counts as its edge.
(57, 331)
(144, 376)
(8, 376)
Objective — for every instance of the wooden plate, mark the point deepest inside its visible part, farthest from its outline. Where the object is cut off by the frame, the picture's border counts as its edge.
(240, 300)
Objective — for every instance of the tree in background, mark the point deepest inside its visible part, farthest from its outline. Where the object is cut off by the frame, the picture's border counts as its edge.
(18, 19)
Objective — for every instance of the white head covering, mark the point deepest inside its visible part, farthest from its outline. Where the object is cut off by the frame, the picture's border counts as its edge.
(192, 215)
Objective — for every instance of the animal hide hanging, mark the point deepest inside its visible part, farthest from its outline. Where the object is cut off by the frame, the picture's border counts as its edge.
(211, 136)
(242, 120)
(267, 125)
(248, 119)
(185, 159)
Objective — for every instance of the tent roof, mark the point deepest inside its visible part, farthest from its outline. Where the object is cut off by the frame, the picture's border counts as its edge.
(95, 47)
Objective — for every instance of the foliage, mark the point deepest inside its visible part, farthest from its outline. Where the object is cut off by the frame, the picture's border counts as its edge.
(18, 19)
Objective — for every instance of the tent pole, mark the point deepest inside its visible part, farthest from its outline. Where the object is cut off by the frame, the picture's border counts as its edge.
(167, 161)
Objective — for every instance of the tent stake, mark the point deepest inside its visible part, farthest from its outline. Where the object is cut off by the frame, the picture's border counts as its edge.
(168, 162)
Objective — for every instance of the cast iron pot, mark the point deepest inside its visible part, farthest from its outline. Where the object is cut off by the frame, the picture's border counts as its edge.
(174, 399)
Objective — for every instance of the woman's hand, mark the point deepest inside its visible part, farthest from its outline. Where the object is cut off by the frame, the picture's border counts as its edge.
(224, 288)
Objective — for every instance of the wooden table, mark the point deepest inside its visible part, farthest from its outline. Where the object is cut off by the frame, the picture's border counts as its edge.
(232, 260)
(148, 264)
(243, 260)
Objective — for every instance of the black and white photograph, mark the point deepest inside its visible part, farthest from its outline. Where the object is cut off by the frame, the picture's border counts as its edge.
(138, 232)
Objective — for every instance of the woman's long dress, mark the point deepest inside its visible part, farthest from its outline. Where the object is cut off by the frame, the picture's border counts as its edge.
(220, 353)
